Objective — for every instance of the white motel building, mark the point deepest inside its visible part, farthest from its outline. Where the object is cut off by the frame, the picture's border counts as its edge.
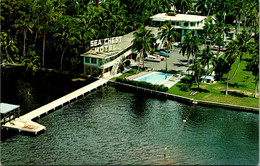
(106, 54)
(182, 22)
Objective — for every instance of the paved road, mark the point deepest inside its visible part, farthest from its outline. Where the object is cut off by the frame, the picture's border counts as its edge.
(175, 62)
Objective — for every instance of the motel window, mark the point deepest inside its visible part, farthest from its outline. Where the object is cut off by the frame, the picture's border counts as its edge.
(192, 24)
(87, 59)
(93, 60)
(186, 24)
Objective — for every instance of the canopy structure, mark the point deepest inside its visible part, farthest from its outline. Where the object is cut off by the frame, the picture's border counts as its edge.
(5, 108)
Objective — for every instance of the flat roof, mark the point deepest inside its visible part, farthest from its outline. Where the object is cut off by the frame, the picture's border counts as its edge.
(5, 108)
(125, 42)
(207, 77)
(178, 17)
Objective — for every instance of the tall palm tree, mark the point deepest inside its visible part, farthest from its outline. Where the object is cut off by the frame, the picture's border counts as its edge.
(238, 10)
(243, 44)
(23, 25)
(168, 35)
(184, 5)
(66, 36)
(207, 57)
(142, 43)
(231, 55)
(197, 70)
(190, 45)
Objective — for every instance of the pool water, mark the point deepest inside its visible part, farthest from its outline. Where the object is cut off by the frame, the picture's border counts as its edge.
(155, 78)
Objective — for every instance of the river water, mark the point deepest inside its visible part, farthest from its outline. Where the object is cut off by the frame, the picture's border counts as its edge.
(115, 126)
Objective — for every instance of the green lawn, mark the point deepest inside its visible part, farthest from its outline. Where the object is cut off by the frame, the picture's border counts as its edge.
(241, 94)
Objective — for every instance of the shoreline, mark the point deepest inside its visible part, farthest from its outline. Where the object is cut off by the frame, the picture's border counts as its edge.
(190, 100)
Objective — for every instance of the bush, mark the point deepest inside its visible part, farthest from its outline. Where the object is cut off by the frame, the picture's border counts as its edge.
(143, 84)
(171, 14)
(127, 62)
(186, 83)
(185, 87)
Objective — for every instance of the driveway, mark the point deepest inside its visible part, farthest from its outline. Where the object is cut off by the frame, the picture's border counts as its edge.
(175, 62)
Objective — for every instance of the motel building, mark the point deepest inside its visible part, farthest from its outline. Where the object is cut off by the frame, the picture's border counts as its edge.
(106, 54)
(182, 22)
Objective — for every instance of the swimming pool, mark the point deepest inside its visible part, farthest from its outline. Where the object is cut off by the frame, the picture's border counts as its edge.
(155, 78)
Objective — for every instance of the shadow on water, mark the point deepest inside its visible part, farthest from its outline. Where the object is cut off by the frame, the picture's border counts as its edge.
(32, 90)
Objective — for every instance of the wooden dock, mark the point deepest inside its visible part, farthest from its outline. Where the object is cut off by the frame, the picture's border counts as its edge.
(25, 123)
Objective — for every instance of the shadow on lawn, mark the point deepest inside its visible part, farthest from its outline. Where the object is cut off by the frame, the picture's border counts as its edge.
(200, 90)
(236, 94)
(236, 85)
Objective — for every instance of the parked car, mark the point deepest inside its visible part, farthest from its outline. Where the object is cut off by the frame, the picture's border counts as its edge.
(158, 56)
(152, 58)
(162, 53)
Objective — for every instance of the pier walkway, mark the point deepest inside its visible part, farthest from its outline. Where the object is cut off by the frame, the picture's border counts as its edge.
(25, 123)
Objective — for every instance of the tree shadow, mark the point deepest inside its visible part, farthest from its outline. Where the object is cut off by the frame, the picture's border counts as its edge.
(235, 93)
(180, 64)
(183, 60)
(200, 90)
(234, 85)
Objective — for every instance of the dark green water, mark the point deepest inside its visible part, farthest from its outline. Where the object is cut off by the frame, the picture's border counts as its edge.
(133, 128)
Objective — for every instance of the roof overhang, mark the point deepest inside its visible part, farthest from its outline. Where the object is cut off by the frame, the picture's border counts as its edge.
(5, 108)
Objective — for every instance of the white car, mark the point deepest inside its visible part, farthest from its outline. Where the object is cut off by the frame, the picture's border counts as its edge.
(152, 58)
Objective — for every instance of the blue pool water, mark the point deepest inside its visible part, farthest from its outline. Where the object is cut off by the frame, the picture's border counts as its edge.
(155, 78)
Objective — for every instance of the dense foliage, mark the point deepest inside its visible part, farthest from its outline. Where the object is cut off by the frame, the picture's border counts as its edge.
(53, 33)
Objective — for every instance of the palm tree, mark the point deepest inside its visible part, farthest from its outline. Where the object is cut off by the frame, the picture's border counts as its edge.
(190, 45)
(168, 34)
(184, 5)
(243, 44)
(208, 28)
(231, 55)
(67, 35)
(142, 43)
(238, 10)
(23, 24)
(197, 70)
(206, 57)
(253, 64)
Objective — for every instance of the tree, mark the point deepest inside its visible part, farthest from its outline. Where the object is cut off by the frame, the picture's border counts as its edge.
(206, 57)
(67, 35)
(253, 63)
(142, 43)
(243, 44)
(7, 43)
(168, 35)
(184, 5)
(208, 28)
(190, 45)
(231, 55)
(197, 70)
(23, 24)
